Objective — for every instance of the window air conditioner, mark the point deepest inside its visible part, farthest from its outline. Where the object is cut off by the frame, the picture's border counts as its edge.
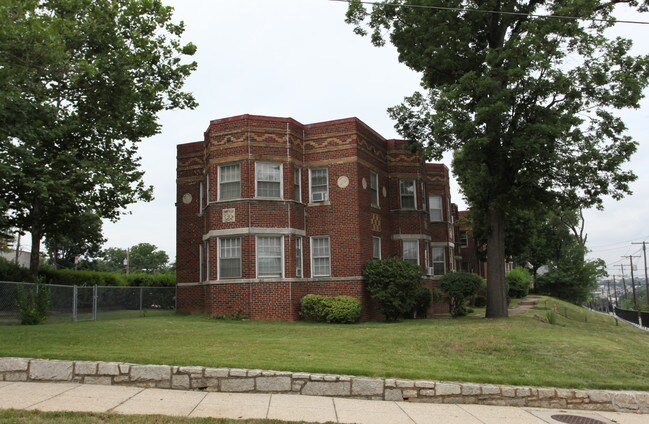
(429, 271)
(319, 196)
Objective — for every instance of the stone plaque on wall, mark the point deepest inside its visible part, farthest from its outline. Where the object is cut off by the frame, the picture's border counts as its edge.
(229, 215)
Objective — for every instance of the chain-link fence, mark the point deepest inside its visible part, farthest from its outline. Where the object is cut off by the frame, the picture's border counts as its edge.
(85, 303)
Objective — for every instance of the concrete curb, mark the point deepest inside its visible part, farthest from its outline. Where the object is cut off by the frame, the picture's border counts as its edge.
(267, 381)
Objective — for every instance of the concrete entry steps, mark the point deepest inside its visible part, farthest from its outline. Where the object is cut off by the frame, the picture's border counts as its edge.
(141, 401)
(233, 380)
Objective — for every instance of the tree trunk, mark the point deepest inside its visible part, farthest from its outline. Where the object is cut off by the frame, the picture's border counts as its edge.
(496, 293)
(35, 259)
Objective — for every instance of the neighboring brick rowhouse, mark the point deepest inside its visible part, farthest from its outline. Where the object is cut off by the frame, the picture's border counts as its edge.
(269, 210)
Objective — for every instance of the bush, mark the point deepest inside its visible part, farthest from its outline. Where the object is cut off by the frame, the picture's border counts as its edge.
(459, 286)
(394, 284)
(142, 279)
(480, 301)
(518, 281)
(70, 277)
(33, 303)
(9, 271)
(423, 298)
(339, 309)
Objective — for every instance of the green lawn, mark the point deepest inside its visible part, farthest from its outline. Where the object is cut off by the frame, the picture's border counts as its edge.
(13, 416)
(585, 350)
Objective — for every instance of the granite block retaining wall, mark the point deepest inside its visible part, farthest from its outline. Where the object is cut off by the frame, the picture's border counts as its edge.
(301, 383)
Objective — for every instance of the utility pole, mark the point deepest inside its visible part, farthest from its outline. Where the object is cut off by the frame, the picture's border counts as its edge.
(608, 297)
(646, 281)
(615, 291)
(635, 300)
(18, 248)
(623, 282)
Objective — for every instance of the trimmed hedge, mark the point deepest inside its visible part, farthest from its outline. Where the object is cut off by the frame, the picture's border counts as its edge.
(339, 309)
(395, 285)
(9, 271)
(458, 287)
(518, 282)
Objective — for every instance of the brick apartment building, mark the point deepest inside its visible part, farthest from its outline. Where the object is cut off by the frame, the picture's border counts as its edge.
(269, 210)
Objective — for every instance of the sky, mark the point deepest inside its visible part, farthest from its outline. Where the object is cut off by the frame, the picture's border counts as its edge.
(299, 59)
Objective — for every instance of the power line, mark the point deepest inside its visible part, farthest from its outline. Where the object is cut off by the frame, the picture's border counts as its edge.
(500, 12)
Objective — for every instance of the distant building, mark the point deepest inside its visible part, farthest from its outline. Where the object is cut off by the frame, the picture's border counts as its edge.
(23, 257)
(269, 210)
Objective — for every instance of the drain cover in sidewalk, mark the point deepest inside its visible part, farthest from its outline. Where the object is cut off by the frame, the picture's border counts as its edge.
(565, 417)
(576, 419)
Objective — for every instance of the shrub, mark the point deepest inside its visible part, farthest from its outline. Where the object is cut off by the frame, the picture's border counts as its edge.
(394, 284)
(33, 303)
(9, 271)
(459, 286)
(518, 281)
(423, 298)
(339, 309)
(480, 301)
(142, 279)
(70, 277)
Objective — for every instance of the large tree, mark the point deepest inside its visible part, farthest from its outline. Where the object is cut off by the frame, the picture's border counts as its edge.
(526, 103)
(81, 236)
(82, 82)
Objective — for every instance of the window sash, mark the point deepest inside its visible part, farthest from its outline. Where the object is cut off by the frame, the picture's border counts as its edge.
(269, 179)
(230, 257)
(439, 260)
(408, 196)
(298, 257)
(411, 251)
(321, 256)
(269, 256)
(319, 182)
(435, 206)
(229, 182)
(376, 248)
(297, 184)
(374, 189)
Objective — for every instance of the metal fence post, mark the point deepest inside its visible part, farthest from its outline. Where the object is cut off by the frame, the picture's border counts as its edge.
(141, 290)
(74, 303)
(94, 302)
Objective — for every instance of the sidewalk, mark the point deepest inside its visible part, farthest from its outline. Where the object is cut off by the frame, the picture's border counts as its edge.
(134, 400)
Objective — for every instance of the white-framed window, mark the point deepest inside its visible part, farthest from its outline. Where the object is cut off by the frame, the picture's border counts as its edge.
(229, 257)
(426, 254)
(268, 179)
(435, 207)
(270, 256)
(230, 181)
(439, 260)
(423, 196)
(374, 189)
(200, 263)
(320, 256)
(200, 198)
(411, 251)
(464, 239)
(376, 247)
(319, 184)
(207, 189)
(297, 184)
(408, 194)
(207, 260)
(298, 257)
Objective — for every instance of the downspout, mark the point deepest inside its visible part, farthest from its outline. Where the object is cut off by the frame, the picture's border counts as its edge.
(288, 209)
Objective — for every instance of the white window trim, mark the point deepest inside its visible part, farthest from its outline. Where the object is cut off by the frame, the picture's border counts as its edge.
(423, 196)
(298, 184)
(414, 194)
(326, 197)
(200, 198)
(379, 240)
(200, 263)
(464, 241)
(219, 178)
(281, 180)
(426, 255)
(281, 245)
(218, 256)
(207, 260)
(378, 196)
(403, 253)
(313, 274)
(440, 209)
(300, 243)
(433, 261)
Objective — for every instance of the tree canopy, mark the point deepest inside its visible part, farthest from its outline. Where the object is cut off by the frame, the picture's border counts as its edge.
(526, 103)
(82, 82)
